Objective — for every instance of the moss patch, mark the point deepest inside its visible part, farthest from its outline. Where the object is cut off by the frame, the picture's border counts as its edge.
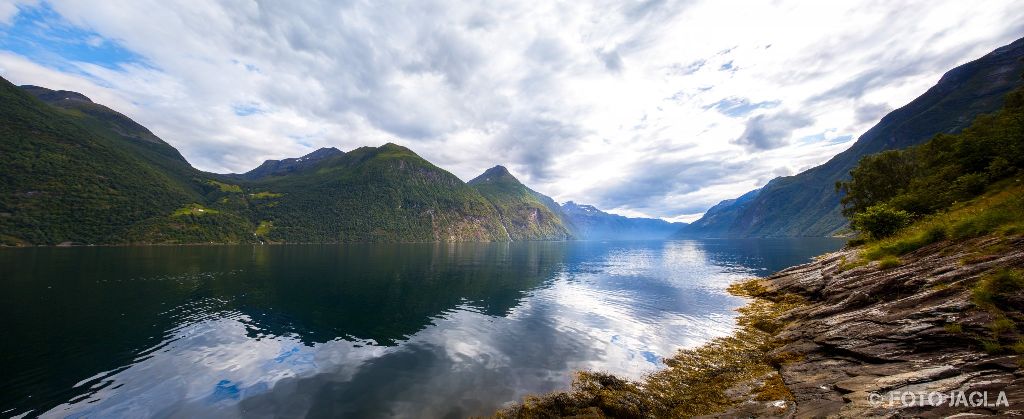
(225, 187)
(194, 209)
(265, 195)
(264, 228)
(889, 262)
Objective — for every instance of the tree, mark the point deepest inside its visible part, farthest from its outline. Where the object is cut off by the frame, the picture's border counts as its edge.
(881, 220)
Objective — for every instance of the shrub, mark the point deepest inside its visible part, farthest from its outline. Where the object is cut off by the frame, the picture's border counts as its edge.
(1018, 347)
(1001, 325)
(969, 185)
(991, 346)
(881, 220)
(996, 289)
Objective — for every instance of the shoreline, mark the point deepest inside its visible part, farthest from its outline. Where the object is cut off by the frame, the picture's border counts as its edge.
(841, 336)
(62, 246)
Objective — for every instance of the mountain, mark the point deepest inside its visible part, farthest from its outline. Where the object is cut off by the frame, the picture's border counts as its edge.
(591, 223)
(78, 172)
(288, 166)
(370, 194)
(525, 214)
(718, 218)
(807, 205)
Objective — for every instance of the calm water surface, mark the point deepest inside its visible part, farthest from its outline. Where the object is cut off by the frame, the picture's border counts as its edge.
(418, 330)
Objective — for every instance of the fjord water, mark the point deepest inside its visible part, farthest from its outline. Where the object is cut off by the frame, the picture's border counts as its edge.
(411, 330)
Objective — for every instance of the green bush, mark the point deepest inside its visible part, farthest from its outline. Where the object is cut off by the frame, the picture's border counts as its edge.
(881, 220)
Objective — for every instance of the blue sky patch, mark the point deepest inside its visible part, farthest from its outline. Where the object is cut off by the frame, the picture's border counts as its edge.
(738, 107)
(821, 137)
(246, 109)
(43, 36)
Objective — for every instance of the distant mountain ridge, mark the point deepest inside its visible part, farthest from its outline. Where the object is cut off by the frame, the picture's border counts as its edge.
(806, 204)
(591, 223)
(290, 165)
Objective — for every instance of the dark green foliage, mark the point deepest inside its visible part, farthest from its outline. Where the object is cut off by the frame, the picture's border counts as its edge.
(69, 178)
(215, 227)
(998, 212)
(879, 178)
(881, 220)
(933, 176)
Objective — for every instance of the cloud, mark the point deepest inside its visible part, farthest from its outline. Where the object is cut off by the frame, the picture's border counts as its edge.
(585, 101)
(648, 188)
(533, 144)
(765, 132)
(612, 60)
(871, 112)
(685, 70)
(737, 107)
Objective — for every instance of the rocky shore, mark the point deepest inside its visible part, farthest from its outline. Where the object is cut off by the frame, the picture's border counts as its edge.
(915, 338)
(935, 332)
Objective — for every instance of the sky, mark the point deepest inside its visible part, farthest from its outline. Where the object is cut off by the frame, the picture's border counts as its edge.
(652, 108)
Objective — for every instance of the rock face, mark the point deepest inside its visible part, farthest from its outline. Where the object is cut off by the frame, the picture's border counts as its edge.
(911, 329)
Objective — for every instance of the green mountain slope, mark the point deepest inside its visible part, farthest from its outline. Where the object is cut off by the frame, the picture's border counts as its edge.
(807, 205)
(71, 176)
(382, 194)
(525, 214)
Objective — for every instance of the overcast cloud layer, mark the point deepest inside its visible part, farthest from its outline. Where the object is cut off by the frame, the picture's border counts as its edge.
(655, 108)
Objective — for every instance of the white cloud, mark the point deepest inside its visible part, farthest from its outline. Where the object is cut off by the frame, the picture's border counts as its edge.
(595, 102)
(9, 9)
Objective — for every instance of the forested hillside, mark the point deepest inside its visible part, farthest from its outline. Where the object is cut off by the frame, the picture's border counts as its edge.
(80, 173)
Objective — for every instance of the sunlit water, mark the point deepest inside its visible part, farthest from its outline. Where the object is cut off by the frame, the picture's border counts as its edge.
(418, 330)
